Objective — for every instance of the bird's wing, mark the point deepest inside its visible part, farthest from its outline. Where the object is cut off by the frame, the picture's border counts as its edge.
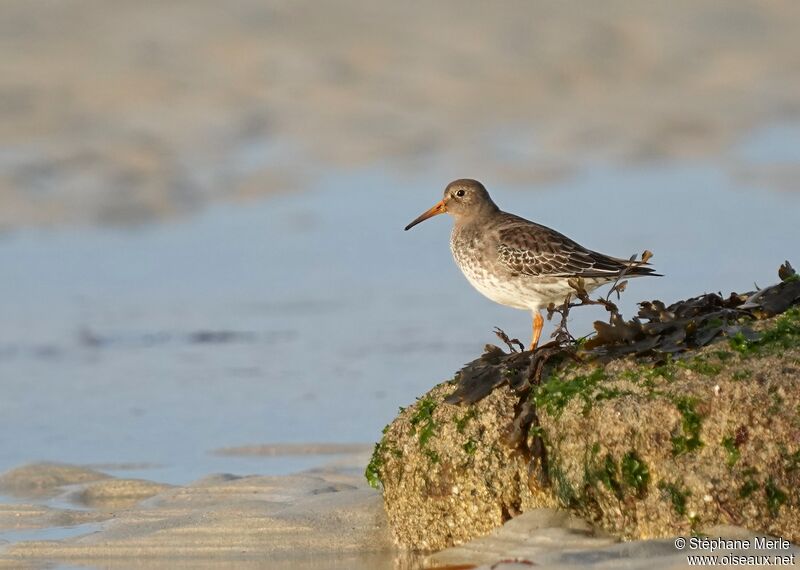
(531, 249)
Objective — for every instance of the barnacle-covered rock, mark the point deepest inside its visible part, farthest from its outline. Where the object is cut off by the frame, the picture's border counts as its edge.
(652, 451)
(656, 444)
(449, 474)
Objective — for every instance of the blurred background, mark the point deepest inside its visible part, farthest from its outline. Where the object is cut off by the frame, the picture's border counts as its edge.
(201, 203)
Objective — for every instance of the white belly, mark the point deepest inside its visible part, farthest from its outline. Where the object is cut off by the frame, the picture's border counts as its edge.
(521, 292)
(505, 293)
(510, 289)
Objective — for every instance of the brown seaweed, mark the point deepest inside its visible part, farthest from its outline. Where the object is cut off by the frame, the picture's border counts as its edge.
(657, 332)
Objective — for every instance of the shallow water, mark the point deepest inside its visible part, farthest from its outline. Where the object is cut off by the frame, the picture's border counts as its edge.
(312, 316)
(49, 533)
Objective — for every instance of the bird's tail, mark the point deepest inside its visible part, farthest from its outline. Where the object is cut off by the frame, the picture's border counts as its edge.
(635, 268)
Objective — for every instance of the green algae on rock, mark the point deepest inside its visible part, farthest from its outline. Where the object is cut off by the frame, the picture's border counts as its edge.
(448, 474)
(716, 450)
(664, 443)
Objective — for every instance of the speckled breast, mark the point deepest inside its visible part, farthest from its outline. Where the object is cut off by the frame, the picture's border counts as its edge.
(480, 266)
(478, 261)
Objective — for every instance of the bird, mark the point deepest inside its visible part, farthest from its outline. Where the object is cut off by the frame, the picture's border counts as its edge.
(516, 262)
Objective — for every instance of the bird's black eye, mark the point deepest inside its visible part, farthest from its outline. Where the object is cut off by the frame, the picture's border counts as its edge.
(460, 193)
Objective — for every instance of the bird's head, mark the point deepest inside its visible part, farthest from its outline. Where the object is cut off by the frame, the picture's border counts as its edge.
(463, 199)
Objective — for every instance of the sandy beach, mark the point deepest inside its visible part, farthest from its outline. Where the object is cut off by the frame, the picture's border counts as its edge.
(322, 519)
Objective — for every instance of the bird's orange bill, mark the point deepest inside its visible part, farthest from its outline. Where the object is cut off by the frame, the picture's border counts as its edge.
(439, 208)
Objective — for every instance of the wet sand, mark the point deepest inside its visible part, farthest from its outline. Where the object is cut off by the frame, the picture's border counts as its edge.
(323, 519)
(118, 112)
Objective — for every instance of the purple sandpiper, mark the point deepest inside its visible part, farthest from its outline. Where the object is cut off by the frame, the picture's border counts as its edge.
(516, 262)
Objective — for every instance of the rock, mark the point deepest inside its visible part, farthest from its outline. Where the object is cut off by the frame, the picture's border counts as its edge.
(652, 452)
(641, 450)
(447, 473)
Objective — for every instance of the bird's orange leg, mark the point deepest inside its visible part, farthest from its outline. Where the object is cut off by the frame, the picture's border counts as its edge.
(538, 325)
